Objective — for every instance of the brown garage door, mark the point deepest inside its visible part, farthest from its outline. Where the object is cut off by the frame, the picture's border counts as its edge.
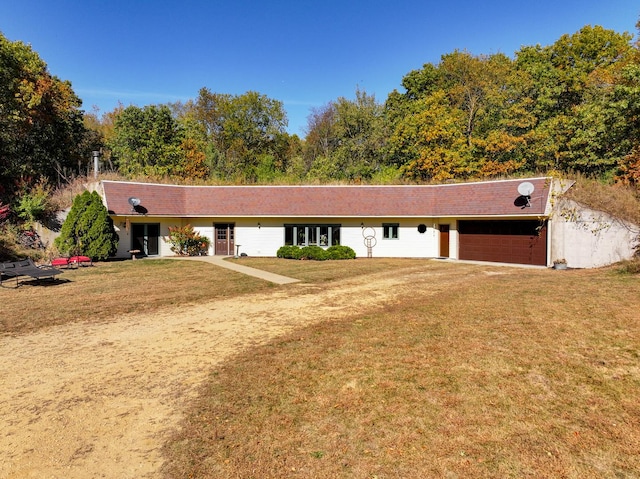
(521, 242)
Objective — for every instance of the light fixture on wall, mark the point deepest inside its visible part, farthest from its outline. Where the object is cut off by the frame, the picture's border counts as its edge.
(259, 225)
(362, 225)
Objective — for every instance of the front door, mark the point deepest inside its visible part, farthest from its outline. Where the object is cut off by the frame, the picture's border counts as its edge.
(444, 241)
(224, 239)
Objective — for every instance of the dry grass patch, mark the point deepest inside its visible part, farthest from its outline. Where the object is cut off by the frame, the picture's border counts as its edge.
(326, 271)
(112, 289)
(520, 374)
(618, 200)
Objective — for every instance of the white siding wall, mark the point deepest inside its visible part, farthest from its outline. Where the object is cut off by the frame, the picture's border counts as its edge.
(589, 239)
(202, 226)
(262, 241)
(124, 238)
(265, 240)
(409, 244)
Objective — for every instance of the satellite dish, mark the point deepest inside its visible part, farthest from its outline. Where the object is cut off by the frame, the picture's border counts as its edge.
(525, 188)
(134, 202)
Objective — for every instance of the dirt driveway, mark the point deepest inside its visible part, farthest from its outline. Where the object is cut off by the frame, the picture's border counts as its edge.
(97, 400)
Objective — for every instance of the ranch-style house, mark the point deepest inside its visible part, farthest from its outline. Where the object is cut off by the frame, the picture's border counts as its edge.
(519, 221)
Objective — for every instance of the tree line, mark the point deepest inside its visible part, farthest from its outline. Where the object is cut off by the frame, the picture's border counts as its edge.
(573, 106)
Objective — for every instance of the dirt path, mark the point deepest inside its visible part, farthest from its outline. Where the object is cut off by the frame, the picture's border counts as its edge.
(96, 400)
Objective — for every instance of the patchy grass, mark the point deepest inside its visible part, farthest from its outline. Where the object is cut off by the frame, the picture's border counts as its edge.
(109, 290)
(618, 200)
(325, 271)
(527, 373)
(630, 267)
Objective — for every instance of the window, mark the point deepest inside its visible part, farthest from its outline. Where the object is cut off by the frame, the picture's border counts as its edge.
(306, 235)
(144, 238)
(390, 230)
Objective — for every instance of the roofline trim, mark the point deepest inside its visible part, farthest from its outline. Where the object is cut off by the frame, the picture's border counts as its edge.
(530, 216)
(439, 185)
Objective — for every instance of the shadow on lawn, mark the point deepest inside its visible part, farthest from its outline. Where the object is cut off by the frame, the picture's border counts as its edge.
(12, 283)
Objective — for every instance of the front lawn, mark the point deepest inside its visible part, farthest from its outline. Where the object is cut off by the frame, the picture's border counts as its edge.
(527, 373)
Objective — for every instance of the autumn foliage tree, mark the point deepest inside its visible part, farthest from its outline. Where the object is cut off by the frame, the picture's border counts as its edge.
(185, 241)
(569, 106)
(573, 105)
(41, 128)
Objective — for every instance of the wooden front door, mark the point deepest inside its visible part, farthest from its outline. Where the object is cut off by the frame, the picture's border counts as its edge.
(224, 239)
(444, 241)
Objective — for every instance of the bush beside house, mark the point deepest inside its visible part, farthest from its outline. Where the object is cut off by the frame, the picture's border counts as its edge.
(186, 242)
(316, 252)
(88, 229)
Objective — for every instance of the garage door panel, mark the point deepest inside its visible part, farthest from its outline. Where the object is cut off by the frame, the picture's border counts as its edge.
(521, 242)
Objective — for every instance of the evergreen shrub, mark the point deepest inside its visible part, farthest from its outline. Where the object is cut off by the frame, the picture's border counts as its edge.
(341, 252)
(88, 229)
(289, 252)
(313, 252)
(316, 252)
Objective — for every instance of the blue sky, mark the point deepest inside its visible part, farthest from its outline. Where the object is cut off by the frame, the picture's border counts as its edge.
(302, 53)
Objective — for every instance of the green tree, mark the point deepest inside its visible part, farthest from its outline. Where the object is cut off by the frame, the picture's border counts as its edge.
(346, 139)
(572, 87)
(241, 132)
(360, 136)
(321, 139)
(41, 128)
(88, 229)
(147, 141)
(34, 205)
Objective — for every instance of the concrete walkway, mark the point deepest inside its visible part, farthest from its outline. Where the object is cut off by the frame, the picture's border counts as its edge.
(258, 273)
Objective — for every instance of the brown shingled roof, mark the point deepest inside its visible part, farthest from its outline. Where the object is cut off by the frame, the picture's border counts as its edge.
(487, 198)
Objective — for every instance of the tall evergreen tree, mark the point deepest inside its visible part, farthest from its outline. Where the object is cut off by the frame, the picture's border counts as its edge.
(88, 229)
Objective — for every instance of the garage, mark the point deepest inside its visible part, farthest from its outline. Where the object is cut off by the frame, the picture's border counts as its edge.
(504, 241)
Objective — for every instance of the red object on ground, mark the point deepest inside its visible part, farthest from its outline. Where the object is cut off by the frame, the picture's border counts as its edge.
(73, 261)
(60, 262)
(80, 259)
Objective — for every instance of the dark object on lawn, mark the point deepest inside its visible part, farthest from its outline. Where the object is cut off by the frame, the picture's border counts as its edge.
(26, 267)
